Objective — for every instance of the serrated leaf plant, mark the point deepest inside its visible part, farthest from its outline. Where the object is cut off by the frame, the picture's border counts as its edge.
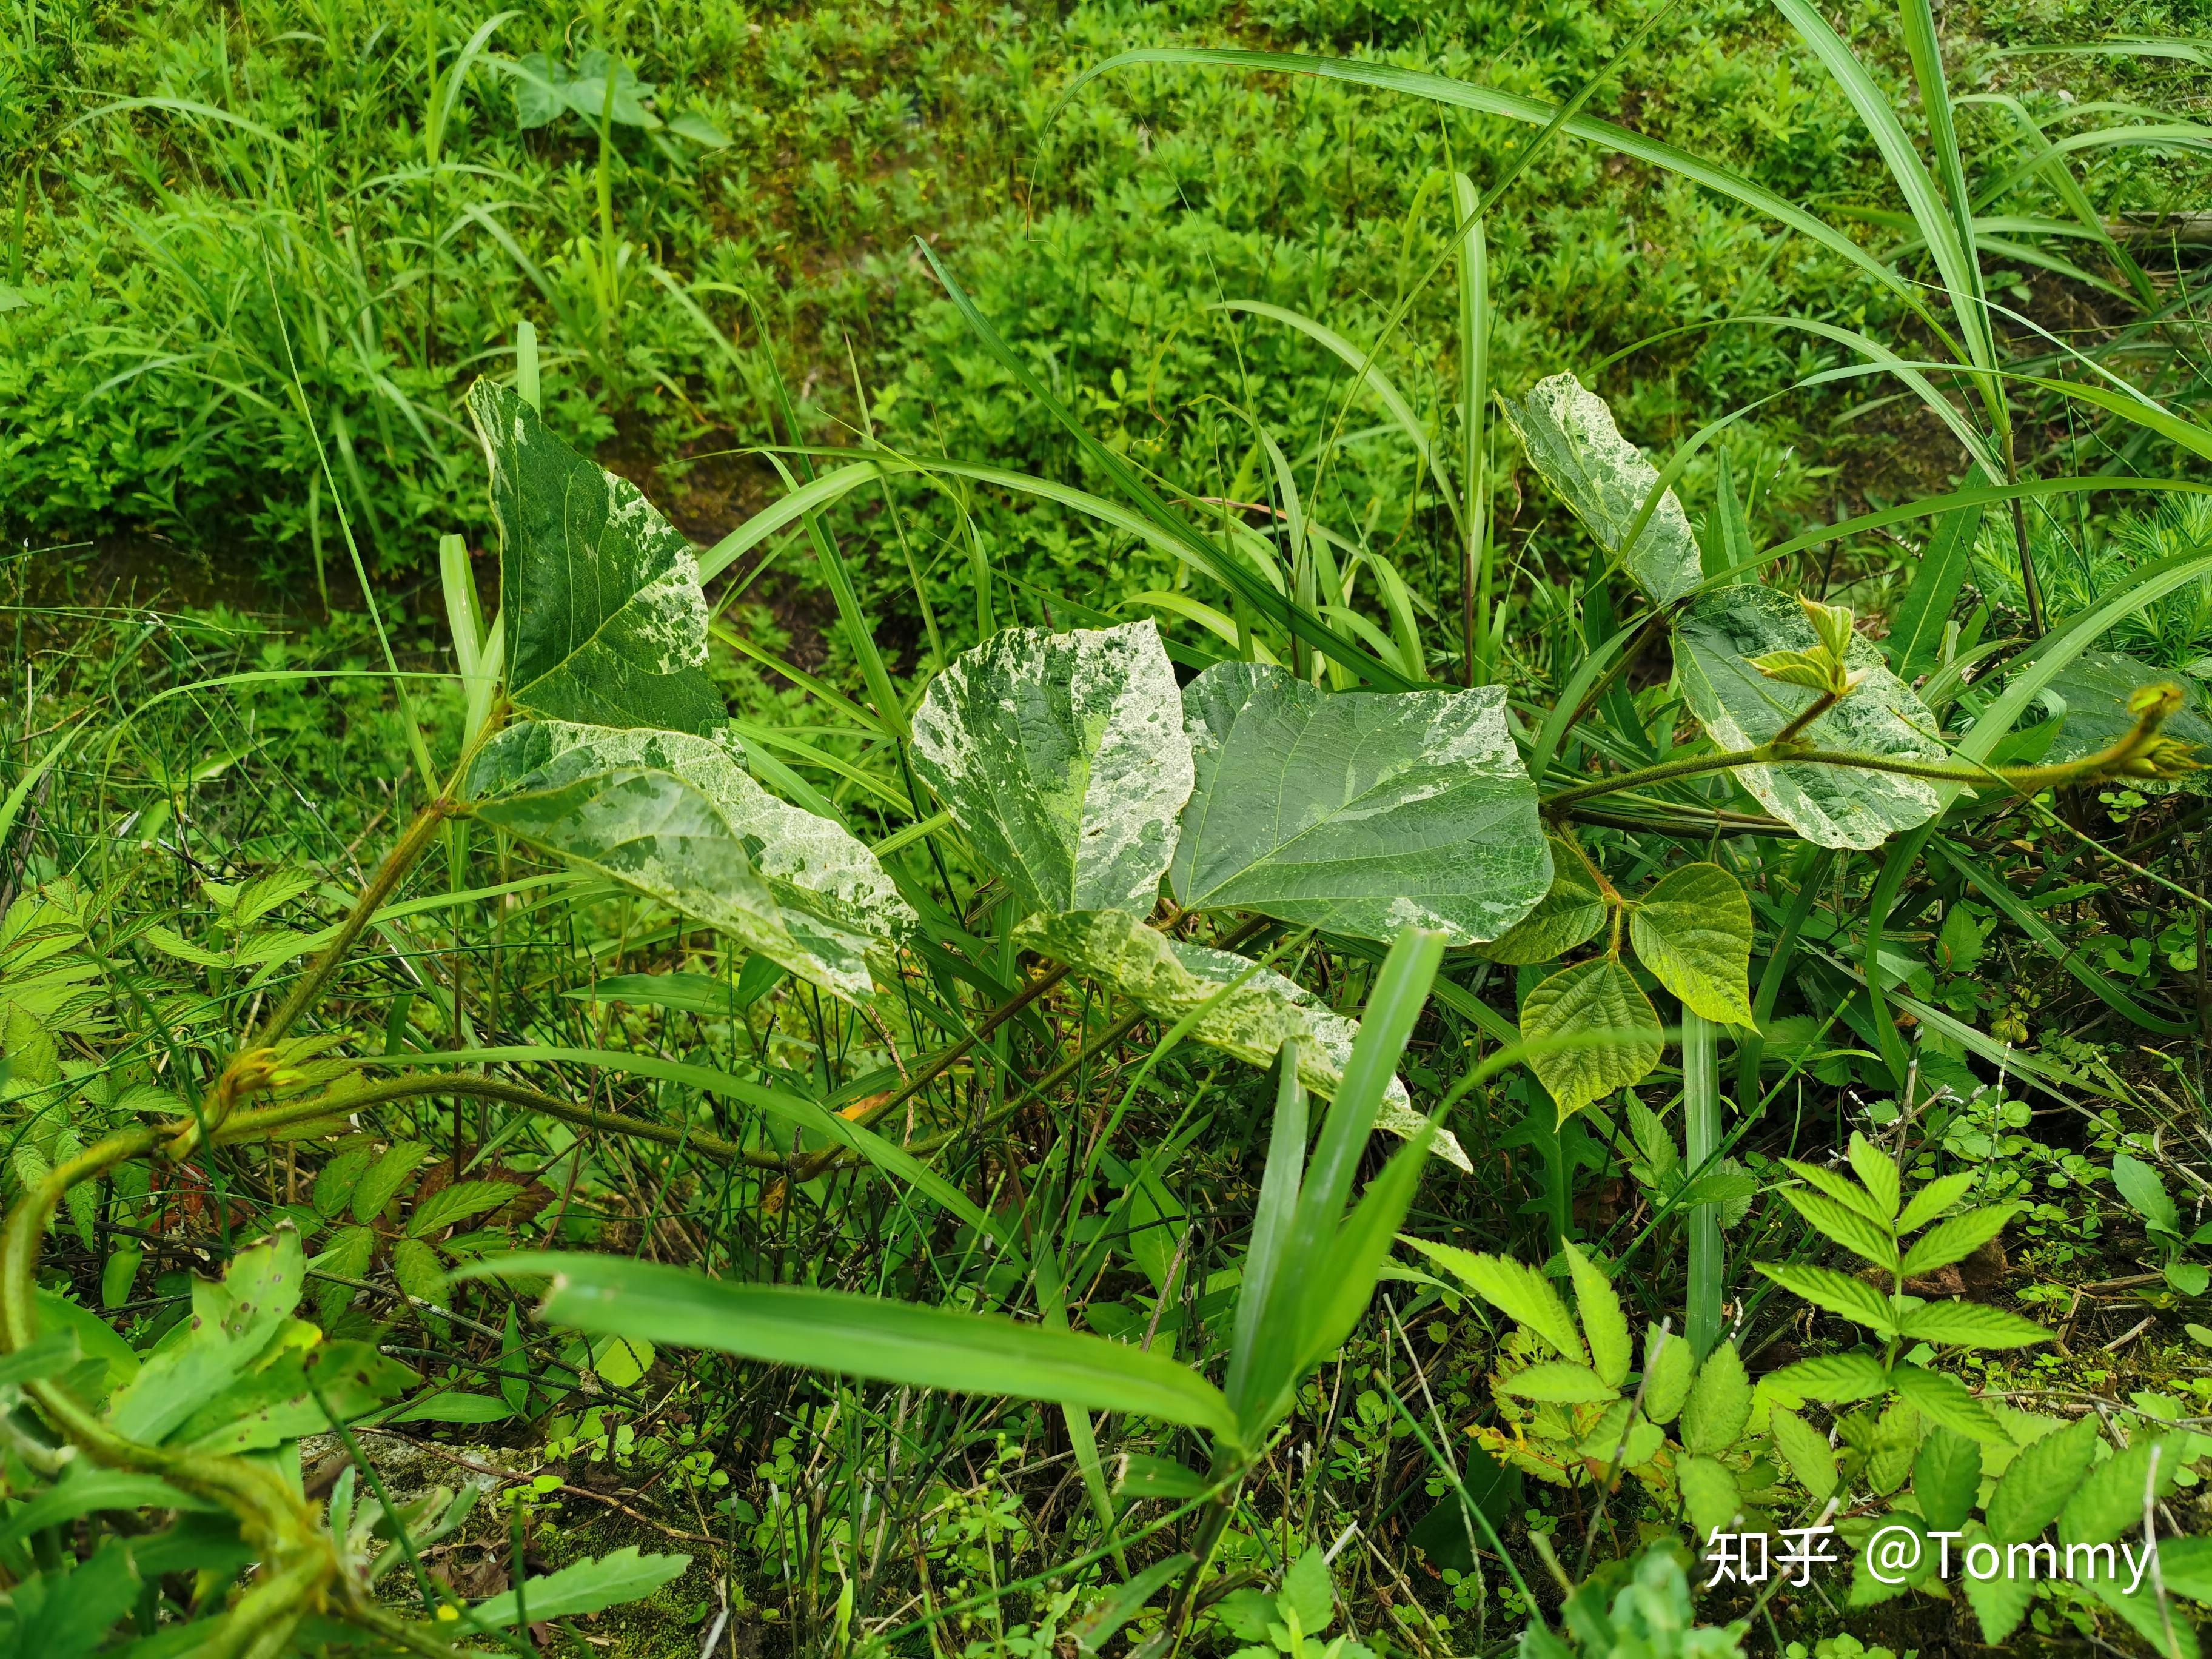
(1863, 1209)
(1576, 1409)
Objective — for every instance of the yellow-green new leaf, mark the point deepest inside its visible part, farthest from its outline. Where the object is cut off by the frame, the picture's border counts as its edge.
(1709, 1493)
(1669, 1367)
(864, 1336)
(1719, 1403)
(1515, 1289)
(1605, 1327)
(1557, 1382)
(1807, 1450)
(1600, 1002)
(1692, 929)
(1932, 1200)
(1877, 1172)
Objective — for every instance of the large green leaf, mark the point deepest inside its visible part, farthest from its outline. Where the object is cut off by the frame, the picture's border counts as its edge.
(1692, 929)
(1600, 1001)
(1363, 812)
(2094, 691)
(1741, 708)
(1169, 979)
(864, 1336)
(603, 618)
(1062, 756)
(1571, 439)
(677, 817)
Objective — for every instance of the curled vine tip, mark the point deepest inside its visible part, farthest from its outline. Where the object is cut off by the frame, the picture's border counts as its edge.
(2147, 752)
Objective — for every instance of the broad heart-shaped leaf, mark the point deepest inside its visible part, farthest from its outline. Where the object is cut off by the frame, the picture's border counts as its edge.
(1063, 756)
(604, 621)
(1571, 441)
(2093, 690)
(1168, 979)
(1692, 929)
(1361, 813)
(1570, 913)
(1591, 997)
(677, 817)
(1741, 708)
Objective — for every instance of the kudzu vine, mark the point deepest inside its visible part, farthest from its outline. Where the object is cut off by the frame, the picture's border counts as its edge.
(1128, 818)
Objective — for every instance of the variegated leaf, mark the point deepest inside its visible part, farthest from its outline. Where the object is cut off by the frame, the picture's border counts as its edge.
(599, 595)
(1062, 756)
(1569, 434)
(677, 817)
(1169, 979)
(1715, 639)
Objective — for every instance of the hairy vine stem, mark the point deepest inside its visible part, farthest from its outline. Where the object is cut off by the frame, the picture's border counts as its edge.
(2133, 750)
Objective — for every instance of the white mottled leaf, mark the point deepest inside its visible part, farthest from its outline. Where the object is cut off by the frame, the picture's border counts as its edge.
(677, 817)
(1571, 439)
(1168, 979)
(1741, 708)
(1063, 756)
(1362, 812)
(599, 595)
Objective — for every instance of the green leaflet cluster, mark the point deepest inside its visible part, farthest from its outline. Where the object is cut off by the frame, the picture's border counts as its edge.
(613, 770)
(1998, 1501)
(1575, 1410)
(1691, 929)
(1083, 778)
(1871, 1218)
